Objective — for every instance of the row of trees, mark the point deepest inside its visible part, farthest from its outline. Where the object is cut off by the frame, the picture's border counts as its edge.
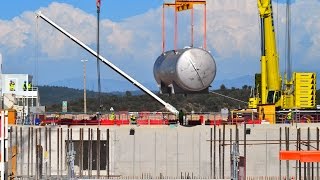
(52, 98)
(128, 102)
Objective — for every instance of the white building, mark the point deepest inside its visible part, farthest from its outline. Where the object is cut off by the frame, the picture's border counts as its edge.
(17, 97)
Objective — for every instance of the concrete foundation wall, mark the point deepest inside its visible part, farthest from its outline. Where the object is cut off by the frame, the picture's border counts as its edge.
(162, 151)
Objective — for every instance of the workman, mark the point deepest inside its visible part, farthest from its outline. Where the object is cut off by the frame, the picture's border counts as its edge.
(12, 86)
(25, 86)
(133, 119)
(289, 116)
(181, 115)
(112, 116)
(29, 86)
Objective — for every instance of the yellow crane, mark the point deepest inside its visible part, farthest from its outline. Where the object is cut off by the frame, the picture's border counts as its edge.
(270, 91)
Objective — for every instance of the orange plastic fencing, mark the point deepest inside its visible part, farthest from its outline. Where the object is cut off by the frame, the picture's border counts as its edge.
(302, 156)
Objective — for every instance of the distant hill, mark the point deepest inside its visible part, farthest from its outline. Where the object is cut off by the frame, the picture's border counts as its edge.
(234, 82)
(54, 94)
(52, 97)
(107, 85)
(111, 85)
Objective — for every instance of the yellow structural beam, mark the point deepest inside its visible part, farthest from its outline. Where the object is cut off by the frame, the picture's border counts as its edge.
(181, 5)
(184, 7)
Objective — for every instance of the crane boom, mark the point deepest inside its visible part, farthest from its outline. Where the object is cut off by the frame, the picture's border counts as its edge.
(270, 73)
(168, 106)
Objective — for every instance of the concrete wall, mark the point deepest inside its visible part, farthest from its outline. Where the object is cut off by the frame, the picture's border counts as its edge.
(166, 150)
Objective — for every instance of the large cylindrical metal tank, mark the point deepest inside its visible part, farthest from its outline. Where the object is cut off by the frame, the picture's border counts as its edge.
(187, 70)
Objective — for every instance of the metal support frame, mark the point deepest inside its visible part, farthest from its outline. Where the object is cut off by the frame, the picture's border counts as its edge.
(84, 87)
(98, 52)
(189, 4)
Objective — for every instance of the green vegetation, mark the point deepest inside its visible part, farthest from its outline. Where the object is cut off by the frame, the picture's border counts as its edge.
(52, 98)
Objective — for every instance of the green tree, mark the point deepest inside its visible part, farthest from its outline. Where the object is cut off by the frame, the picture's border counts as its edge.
(128, 93)
(223, 87)
(244, 87)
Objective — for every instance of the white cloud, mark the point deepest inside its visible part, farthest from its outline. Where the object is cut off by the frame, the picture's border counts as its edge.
(307, 37)
(120, 39)
(232, 35)
(13, 33)
(233, 28)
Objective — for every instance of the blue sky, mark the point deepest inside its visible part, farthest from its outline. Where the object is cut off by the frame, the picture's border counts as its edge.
(131, 37)
(111, 9)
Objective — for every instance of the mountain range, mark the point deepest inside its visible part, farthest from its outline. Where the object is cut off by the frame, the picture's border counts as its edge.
(112, 85)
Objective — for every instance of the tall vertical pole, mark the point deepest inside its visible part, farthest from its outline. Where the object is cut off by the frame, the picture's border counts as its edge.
(287, 148)
(98, 49)
(108, 153)
(84, 87)
(163, 30)
(211, 153)
(308, 148)
(317, 150)
(223, 148)
(280, 148)
(3, 149)
(219, 150)
(245, 149)
(98, 153)
(58, 147)
(50, 153)
(46, 151)
(31, 150)
(28, 167)
(299, 148)
(192, 25)
(205, 27)
(175, 28)
(214, 150)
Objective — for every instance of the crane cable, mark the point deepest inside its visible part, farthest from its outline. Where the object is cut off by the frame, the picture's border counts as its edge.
(277, 34)
(36, 52)
(288, 41)
(229, 97)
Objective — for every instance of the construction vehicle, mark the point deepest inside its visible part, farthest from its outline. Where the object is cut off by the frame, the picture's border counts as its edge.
(298, 91)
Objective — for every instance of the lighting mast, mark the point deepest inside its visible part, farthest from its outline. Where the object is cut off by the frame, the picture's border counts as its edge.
(98, 3)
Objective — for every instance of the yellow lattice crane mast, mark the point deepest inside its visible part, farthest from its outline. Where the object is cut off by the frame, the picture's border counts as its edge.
(295, 93)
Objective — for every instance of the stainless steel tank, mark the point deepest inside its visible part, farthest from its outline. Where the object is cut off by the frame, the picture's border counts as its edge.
(188, 70)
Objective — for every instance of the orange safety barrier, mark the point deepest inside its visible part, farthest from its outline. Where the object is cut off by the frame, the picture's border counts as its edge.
(201, 119)
(118, 122)
(302, 156)
(121, 122)
(50, 121)
(142, 122)
(254, 121)
(156, 122)
(107, 122)
(125, 122)
(216, 122)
